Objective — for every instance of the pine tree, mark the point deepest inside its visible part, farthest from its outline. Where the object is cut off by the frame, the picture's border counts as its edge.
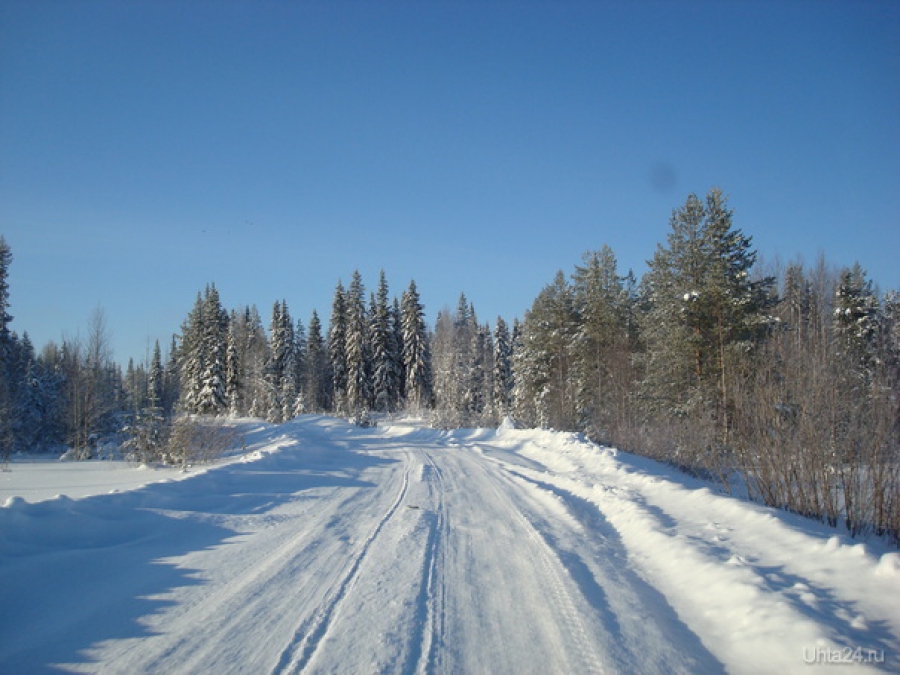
(318, 378)
(337, 350)
(41, 410)
(280, 371)
(416, 357)
(253, 351)
(211, 398)
(202, 352)
(233, 369)
(155, 379)
(444, 358)
(299, 377)
(146, 432)
(704, 314)
(503, 374)
(359, 386)
(461, 359)
(477, 384)
(192, 358)
(544, 390)
(5, 317)
(8, 388)
(602, 346)
(171, 379)
(384, 351)
(856, 313)
(397, 329)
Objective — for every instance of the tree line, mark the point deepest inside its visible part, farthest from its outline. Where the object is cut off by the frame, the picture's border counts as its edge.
(784, 381)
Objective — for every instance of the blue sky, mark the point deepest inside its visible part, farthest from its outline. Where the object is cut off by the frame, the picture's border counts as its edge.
(148, 148)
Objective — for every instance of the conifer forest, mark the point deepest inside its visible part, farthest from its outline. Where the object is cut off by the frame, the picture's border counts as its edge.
(781, 381)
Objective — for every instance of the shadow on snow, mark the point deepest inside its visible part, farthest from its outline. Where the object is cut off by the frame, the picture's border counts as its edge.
(77, 573)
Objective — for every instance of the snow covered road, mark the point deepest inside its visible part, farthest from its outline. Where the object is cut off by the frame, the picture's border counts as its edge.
(401, 549)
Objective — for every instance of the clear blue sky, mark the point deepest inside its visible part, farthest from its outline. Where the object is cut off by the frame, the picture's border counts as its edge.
(147, 148)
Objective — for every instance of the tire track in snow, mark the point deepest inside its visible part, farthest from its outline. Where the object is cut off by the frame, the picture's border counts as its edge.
(733, 590)
(301, 649)
(430, 602)
(628, 604)
(585, 653)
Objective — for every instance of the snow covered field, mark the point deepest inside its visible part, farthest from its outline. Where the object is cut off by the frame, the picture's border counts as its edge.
(402, 549)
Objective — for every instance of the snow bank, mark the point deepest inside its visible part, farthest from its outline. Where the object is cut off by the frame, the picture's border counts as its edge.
(766, 591)
(321, 538)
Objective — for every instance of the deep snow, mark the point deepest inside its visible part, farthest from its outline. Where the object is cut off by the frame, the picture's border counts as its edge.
(401, 549)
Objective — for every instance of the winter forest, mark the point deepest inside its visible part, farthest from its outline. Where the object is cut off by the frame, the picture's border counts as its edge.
(783, 383)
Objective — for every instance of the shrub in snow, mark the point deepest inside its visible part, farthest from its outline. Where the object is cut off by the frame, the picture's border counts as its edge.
(194, 440)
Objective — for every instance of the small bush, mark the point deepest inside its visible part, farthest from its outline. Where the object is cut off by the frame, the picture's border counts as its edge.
(194, 440)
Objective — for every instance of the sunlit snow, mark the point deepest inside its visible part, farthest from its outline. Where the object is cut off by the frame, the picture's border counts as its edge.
(403, 549)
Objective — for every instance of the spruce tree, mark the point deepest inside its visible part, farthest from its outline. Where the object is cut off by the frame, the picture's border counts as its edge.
(192, 358)
(337, 350)
(602, 346)
(416, 357)
(478, 376)
(5, 317)
(299, 376)
(155, 378)
(704, 314)
(171, 379)
(233, 370)
(384, 351)
(397, 329)
(254, 358)
(201, 356)
(503, 373)
(359, 387)
(214, 331)
(318, 378)
(856, 314)
(8, 388)
(545, 392)
(280, 371)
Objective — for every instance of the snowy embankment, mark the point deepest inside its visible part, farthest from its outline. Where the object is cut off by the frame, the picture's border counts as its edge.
(328, 548)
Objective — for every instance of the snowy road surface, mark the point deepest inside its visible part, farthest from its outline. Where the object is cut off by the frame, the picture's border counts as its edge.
(401, 549)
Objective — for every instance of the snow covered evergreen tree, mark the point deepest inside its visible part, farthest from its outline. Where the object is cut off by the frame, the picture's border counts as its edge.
(171, 379)
(359, 384)
(397, 329)
(337, 350)
(5, 317)
(385, 369)
(280, 370)
(233, 369)
(479, 373)
(603, 347)
(416, 357)
(147, 427)
(7, 386)
(462, 357)
(704, 313)
(299, 376)
(856, 313)
(202, 356)
(444, 359)
(211, 399)
(253, 353)
(544, 392)
(317, 374)
(191, 357)
(503, 373)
